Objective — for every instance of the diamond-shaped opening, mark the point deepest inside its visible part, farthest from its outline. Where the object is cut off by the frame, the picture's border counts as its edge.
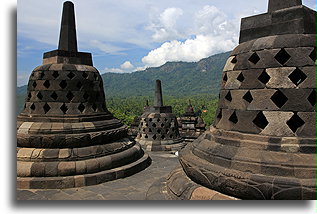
(29, 96)
(225, 78)
(70, 95)
(219, 116)
(159, 131)
(313, 55)
(39, 95)
(146, 136)
(24, 107)
(55, 74)
(162, 137)
(279, 99)
(46, 108)
(260, 120)
(85, 75)
(64, 108)
(150, 119)
(81, 107)
(158, 120)
(32, 107)
(165, 119)
(254, 58)
(233, 118)
(34, 84)
(150, 130)
(240, 77)
(162, 125)
(94, 106)
(47, 84)
(234, 60)
(282, 56)
(70, 75)
(228, 96)
(54, 95)
(146, 124)
(63, 84)
(154, 137)
(42, 74)
(264, 77)
(248, 97)
(85, 96)
(154, 125)
(295, 122)
(79, 85)
(312, 98)
(297, 77)
(171, 136)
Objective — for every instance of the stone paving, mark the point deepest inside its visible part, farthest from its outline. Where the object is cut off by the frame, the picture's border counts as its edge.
(129, 188)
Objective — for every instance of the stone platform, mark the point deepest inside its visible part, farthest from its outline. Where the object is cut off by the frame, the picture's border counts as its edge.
(133, 187)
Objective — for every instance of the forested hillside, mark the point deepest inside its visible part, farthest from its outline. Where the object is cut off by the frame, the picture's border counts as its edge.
(178, 79)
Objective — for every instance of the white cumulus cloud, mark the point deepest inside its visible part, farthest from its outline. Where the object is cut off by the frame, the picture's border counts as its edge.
(127, 65)
(165, 25)
(211, 32)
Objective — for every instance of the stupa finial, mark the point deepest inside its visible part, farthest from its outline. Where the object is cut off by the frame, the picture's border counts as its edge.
(281, 4)
(68, 38)
(158, 99)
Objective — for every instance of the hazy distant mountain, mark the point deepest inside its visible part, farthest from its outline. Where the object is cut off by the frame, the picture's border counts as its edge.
(178, 78)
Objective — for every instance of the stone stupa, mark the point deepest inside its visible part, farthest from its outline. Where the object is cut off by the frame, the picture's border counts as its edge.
(158, 128)
(263, 143)
(190, 125)
(66, 137)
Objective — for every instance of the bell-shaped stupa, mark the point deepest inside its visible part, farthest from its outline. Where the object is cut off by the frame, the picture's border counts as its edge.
(158, 128)
(263, 143)
(66, 137)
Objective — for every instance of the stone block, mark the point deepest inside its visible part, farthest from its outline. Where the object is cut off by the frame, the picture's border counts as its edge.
(51, 169)
(81, 167)
(262, 100)
(64, 153)
(24, 168)
(38, 169)
(277, 123)
(79, 181)
(279, 77)
(92, 165)
(251, 79)
(66, 168)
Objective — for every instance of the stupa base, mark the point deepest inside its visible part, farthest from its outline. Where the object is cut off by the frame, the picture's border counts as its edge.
(177, 186)
(170, 145)
(61, 174)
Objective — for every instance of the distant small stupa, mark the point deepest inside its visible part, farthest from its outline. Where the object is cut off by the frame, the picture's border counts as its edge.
(158, 128)
(190, 125)
(66, 137)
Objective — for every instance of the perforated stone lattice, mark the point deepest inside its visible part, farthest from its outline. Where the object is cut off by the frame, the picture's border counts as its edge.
(74, 92)
(158, 129)
(248, 86)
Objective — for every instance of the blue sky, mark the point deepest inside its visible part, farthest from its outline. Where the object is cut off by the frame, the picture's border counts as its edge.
(129, 35)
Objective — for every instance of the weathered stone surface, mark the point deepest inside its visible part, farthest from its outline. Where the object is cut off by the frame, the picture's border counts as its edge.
(158, 127)
(263, 144)
(65, 128)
